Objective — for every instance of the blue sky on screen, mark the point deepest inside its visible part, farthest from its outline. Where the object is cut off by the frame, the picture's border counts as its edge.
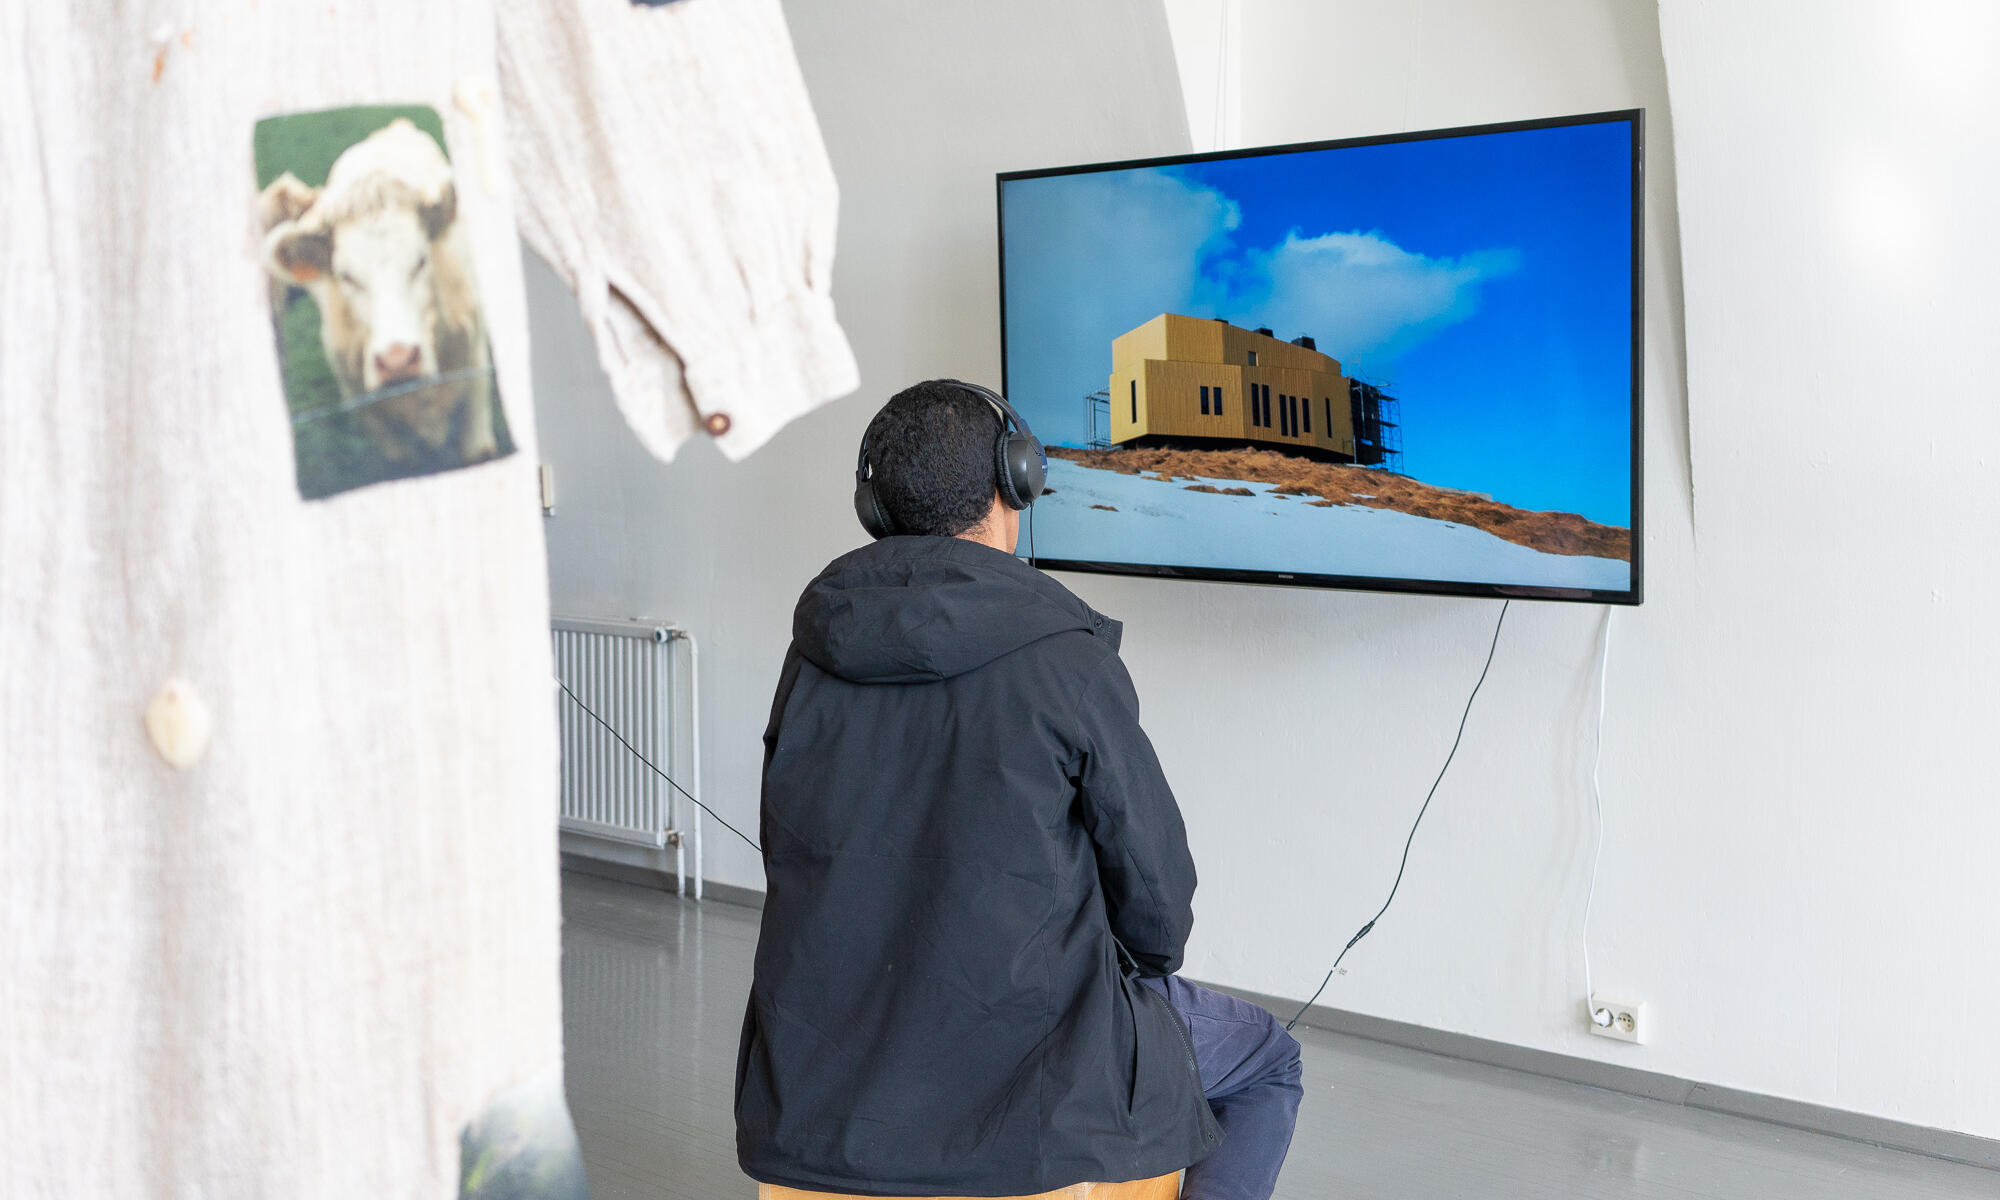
(1485, 280)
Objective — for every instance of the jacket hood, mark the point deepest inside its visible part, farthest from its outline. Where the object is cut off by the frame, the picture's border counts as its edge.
(919, 609)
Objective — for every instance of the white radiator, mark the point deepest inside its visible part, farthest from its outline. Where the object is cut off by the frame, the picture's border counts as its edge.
(627, 673)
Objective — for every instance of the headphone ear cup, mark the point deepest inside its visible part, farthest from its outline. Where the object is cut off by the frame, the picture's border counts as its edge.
(1003, 471)
(1035, 469)
(1023, 469)
(868, 507)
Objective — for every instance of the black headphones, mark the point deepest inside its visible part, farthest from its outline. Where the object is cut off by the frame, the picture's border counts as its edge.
(1020, 465)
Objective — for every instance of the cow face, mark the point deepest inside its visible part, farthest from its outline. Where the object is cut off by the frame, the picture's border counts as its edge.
(372, 274)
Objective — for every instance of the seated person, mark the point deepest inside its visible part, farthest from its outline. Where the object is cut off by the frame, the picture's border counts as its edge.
(979, 882)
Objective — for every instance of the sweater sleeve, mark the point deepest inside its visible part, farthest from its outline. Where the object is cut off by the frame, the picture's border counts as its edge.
(1142, 852)
(671, 171)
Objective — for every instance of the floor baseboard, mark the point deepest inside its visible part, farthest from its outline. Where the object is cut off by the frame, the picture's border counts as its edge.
(1795, 1114)
(658, 879)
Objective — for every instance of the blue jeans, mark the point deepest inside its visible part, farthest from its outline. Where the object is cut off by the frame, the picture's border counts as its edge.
(1250, 1073)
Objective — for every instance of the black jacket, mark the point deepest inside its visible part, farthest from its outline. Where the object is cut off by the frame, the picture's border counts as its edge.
(971, 856)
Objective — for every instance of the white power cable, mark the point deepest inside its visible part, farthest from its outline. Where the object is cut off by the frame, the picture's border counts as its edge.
(1597, 802)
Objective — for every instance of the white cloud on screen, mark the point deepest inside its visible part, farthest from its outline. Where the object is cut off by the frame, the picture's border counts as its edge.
(1090, 256)
(1362, 297)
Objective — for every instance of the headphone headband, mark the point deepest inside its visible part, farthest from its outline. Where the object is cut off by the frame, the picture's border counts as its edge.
(999, 402)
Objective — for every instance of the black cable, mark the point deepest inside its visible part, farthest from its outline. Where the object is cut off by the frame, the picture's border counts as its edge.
(649, 762)
(1363, 931)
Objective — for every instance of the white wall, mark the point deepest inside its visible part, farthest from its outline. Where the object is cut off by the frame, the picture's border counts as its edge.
(1799, 750)
(1837, 189)
(1208, 37)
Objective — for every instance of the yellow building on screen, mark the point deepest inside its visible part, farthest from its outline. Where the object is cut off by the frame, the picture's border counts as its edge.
(1178, 380)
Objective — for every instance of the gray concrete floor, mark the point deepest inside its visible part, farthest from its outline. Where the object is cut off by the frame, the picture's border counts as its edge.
(653, 992)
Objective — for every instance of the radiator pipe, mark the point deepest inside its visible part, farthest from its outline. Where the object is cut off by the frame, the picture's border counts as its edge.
(694, 750)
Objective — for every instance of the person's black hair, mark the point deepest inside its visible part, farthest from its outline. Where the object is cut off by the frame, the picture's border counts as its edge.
(932, 450)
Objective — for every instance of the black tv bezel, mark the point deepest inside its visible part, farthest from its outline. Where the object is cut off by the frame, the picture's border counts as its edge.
(1636, 119)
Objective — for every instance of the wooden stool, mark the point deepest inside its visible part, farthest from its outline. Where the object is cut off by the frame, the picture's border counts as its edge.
(1166, 1187)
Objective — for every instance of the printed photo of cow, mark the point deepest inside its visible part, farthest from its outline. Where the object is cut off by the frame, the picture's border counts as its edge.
(386, 363)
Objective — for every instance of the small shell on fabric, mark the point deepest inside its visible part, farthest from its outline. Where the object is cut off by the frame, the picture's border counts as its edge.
(180, 724)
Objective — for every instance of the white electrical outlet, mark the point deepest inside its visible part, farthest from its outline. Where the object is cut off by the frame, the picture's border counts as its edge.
(1612, 1017)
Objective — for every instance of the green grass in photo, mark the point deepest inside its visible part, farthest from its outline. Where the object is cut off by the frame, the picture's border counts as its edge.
(307, 143)
(333, 453)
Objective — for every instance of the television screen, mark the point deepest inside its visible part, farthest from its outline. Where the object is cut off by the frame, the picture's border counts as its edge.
(1406, 363)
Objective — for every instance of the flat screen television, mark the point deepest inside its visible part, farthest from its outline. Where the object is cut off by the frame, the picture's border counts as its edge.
(1404, 363)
